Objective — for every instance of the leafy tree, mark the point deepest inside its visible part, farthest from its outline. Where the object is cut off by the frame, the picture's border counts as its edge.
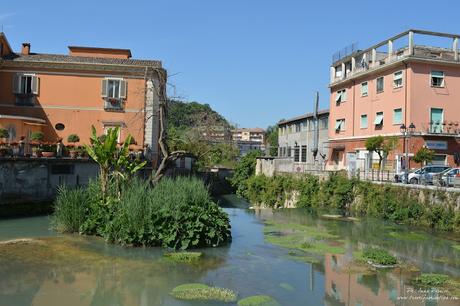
(272, 139)
(382, 146)
(4, 133)
(245, 168)
(424, 156)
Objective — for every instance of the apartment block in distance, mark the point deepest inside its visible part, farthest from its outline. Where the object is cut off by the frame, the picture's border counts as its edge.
(67, 94)
(248, 139)
(296, 139)
(412, 78)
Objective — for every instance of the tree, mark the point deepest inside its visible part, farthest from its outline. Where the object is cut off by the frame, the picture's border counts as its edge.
(245, 168)
(272, 139)
(424, 156)
(382, 146)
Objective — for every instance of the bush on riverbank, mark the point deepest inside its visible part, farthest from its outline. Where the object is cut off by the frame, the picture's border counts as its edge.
(176, 213)
(432, 208)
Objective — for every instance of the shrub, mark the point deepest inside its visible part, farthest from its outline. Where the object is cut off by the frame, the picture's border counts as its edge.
(176, 213)
(73, 138)
(4, 133)
(197, 291)
(245, 169)
(431, 280)
(36, 136)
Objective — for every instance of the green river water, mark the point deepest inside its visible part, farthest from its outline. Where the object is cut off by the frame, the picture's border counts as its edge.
(68, 270)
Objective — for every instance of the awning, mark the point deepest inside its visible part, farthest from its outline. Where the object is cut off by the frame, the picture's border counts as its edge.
(338, 124)
(378, 119)
(338, 96)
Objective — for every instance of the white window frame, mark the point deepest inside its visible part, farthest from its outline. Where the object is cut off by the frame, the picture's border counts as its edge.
(340, 125)
(398, 79)
(361, 121)
(377, 84)
(34, 80)
(432, 77)
(341, 96)
(377, 115)
(394, 117)
(111, 126)
(366, 92)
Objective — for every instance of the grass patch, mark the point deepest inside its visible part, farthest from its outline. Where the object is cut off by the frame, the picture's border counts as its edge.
(197, 291)
(379, 256)
(411, 236)
(456, 247)
(186, 257)
(258, 300)
(431, 280)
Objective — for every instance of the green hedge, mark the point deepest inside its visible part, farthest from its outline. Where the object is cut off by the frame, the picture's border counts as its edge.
(177, 213)
(432, 208)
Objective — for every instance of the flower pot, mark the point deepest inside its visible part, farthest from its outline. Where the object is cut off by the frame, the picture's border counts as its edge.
(36, 153)
(48, 154)
(73, 153)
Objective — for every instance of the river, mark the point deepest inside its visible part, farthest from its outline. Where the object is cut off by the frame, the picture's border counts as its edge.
(74, 270)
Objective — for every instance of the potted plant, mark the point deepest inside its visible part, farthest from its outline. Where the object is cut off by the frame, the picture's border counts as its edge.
(73, 150)
(48, 150)
(4, 134)
(36, 139)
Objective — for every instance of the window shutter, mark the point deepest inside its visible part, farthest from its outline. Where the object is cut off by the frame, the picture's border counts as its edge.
(123, 88)
(16, 83)
(35, 85)
(104, 88)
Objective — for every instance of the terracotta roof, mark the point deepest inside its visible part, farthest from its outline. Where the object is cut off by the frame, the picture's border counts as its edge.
(58, 58)
(308, 115)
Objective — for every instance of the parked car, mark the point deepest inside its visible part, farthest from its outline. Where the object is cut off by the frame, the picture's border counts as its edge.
(446, 178)
(401, 176)
(426, 174)
(457, 180)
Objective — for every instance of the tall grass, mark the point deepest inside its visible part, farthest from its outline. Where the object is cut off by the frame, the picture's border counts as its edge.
(176, 213)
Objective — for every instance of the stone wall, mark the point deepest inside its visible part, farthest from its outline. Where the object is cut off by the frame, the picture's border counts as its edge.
(29, 180)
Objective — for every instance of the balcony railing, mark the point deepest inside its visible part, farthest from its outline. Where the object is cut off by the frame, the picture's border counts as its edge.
(113, 104)
(441, 128)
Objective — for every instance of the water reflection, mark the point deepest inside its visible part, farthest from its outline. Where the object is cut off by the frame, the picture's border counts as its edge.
(74, 270)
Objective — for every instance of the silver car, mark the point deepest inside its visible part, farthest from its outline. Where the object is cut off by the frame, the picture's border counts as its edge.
(426, 174)
(446, 178)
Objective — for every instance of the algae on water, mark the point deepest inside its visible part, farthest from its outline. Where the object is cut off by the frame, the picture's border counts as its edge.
(198, 291)
(258, 300)
(186, 257)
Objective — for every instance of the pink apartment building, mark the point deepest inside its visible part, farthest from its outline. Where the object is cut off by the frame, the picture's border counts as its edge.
(406, 80)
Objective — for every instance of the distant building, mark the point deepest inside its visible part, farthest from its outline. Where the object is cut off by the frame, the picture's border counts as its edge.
(248, 139)
(296, 139)
(393, 83)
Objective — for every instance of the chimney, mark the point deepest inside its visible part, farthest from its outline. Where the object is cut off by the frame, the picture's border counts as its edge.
(25, 48)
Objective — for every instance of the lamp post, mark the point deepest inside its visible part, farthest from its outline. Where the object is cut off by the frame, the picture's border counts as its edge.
(407, 133)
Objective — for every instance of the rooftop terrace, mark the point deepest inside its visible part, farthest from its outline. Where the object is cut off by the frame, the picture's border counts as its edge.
(411, 44)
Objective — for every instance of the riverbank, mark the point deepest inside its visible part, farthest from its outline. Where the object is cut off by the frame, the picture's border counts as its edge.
(433, 208)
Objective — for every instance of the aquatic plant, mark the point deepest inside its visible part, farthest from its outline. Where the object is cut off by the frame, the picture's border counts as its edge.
(287, 286)
(186, 257)
(379, 256)
(176, 213)
(431, 279)
(197, 291)
(258, 300)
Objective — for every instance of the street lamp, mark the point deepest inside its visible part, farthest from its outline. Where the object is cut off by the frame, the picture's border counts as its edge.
(407, 132)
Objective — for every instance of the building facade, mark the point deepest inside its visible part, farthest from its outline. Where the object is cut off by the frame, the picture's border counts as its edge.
(62, 95)
(304, 139)
(248, 139)
(396, 82)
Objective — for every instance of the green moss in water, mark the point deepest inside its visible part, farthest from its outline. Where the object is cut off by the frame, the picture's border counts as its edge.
(186, 257)
(197, 291)
(379, 256)
(456, 247)
(309, 239)
(258, 300)
(412, 236)
(434, 280)
(287, 287)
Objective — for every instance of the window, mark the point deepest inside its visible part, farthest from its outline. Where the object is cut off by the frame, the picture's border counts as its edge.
(380, 84)
(114, 88)
(107, 127)
(340, 125)
(398, 79)
(341, 96)
(363, 122)
(25, 84)
(397, 116)
(296, 154)
(324, 123)
(59, 126)
(304, 126)
(288, 151)
(304, 154)
(436, 120)
(364, 89)
(297, 127)
(437, 78)
(378, 119)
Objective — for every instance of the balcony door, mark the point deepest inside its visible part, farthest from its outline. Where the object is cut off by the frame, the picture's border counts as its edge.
(436, 120)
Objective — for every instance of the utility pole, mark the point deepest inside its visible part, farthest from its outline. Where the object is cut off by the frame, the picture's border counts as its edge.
(316, 127)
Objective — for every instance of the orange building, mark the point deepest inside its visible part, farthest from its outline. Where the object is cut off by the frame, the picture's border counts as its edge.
(62, 95)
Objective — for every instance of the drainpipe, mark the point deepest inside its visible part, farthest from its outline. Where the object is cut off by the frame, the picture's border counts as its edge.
(353, 116)
(406, 148)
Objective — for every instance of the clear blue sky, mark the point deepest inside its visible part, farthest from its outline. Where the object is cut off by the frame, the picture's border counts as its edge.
(254, 61)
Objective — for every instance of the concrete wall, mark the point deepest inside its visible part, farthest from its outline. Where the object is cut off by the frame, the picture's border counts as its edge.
(35, 180)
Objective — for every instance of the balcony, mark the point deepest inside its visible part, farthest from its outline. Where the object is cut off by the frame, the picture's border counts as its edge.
(395, 49)
(440, 128)
(113, 104)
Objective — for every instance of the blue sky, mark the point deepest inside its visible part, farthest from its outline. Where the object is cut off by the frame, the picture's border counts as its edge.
(254, 61)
